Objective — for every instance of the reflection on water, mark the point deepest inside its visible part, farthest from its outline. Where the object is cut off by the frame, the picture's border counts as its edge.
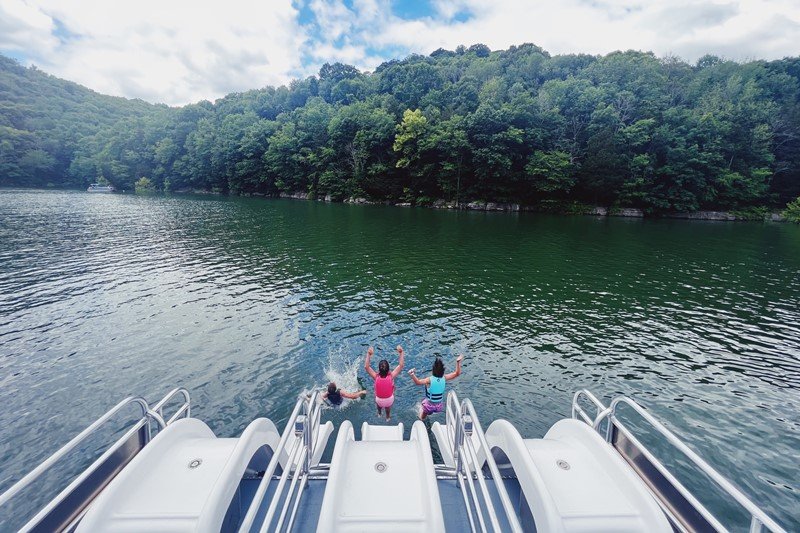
(245, 301)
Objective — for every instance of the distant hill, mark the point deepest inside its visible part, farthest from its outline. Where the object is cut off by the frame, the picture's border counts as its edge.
(627, 129)
(44, 118)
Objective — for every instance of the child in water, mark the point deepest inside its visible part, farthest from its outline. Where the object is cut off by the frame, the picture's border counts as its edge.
(384, 380)
(435, 385)
(334, 395)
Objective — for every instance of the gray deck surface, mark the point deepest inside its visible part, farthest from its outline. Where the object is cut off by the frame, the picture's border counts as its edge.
(455, 515)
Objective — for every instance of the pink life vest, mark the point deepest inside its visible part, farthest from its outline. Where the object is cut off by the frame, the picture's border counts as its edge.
(384, 387)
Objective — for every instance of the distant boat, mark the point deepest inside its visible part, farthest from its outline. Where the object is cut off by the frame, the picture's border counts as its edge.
(96, 187)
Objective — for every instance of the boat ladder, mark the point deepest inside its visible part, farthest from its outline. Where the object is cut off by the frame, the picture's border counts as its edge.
(464, 429)
(298, 445)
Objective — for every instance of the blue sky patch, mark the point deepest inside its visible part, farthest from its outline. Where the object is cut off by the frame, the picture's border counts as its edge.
(61, 31)
(412, 9)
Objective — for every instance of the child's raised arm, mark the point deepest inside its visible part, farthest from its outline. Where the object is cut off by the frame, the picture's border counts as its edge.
(417, 381)
(454, 375)
(367, 365)
(401, 364)
(353, 395)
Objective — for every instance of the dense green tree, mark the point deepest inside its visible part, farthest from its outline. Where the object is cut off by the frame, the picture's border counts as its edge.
(551, 172)
(624, 129)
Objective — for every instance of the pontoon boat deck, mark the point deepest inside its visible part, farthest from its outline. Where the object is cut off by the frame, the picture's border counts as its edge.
(589, 472)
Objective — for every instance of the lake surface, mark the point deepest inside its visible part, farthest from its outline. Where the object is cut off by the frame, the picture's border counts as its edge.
(249, 302)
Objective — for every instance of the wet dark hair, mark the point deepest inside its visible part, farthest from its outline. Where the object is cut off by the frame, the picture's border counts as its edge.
(331, 388)
(438, 367)
(383, 368)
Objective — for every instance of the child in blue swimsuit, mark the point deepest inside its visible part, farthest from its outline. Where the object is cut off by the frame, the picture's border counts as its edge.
(435, 385)
(334, 395)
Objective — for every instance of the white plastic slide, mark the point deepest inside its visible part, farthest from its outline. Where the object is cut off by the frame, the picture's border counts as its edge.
(573, 481)
(183, 480)
(381, 483)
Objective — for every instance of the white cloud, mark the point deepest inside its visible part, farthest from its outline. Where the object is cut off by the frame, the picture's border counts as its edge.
(175, 51)
(739, 30)
(180, 51)
(24, 27)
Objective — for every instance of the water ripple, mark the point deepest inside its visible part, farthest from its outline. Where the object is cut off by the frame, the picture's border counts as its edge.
(250, 302)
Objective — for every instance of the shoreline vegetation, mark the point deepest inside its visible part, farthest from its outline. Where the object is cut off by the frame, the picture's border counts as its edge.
(760, 213)
(752, 214)
(514, 129)
(574, 208)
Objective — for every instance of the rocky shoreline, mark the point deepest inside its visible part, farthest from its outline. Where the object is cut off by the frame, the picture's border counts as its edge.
(598, 211)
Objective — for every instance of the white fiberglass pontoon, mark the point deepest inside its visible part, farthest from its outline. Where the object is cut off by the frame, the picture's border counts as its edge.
(586, 474)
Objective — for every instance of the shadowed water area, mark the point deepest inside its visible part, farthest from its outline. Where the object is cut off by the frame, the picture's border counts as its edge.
(250, 302)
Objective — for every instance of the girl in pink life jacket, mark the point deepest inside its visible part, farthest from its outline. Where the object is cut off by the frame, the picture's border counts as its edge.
(384, 380)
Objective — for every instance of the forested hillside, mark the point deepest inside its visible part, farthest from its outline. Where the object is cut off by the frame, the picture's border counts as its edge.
(43, 120)
(519, 125)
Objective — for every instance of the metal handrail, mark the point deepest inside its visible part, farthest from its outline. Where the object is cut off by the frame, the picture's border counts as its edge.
(34, 474)
(577, 410)
(508, 507)
(135, 428)
(456, 413)
(759, 518)
(273, 504)
(186, 406)
(670, 477)
(297, 468)
(261, 491)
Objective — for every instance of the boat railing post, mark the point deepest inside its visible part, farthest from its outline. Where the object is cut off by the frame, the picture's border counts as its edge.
(311, 421)
(458, 442)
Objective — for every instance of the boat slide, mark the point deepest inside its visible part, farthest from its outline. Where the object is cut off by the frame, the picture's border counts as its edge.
(173, 474)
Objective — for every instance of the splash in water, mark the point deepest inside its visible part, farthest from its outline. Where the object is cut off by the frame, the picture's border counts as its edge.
(342, 369)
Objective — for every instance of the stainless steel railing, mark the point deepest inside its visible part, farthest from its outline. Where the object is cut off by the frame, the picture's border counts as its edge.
(578, 411)
(184, 409)
(304, 424)
(615, 427)
(34, 474)
(462, 423)
(69, 505)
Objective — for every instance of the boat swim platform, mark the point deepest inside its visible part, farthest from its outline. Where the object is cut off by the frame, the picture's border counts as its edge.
(587, 474)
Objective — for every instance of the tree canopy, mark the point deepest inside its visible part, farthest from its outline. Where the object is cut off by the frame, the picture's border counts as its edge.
(626, 129)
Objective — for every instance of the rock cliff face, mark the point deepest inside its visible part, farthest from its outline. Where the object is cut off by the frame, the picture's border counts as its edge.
(704, 215)
(490, 206)
(295, 195)
(626, 212)
(599, 211)
(359, 201)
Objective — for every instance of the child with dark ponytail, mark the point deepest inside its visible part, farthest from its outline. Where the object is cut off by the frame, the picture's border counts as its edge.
(384, 380)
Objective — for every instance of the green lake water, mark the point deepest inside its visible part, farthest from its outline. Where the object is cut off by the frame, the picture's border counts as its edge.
(250, 302)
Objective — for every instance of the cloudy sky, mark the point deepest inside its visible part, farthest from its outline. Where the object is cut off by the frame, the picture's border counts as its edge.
(180, 51)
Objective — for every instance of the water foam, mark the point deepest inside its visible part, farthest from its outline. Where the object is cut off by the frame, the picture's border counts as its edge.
(342, 369)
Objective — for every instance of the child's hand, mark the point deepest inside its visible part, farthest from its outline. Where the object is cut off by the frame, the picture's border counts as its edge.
(413, 371)
(399, 349)
(362, 393)
(459, 358)
(370, 351)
